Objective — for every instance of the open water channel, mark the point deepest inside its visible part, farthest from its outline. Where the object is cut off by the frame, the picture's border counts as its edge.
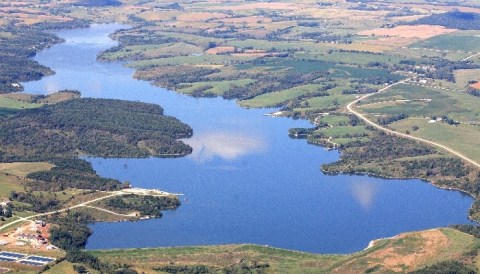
(246, 180)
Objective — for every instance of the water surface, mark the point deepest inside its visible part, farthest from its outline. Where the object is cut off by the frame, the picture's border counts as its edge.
(246, 180)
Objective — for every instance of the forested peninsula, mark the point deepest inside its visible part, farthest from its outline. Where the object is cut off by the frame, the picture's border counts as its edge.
(97, 127)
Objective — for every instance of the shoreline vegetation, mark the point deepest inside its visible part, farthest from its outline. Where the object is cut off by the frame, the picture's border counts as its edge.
(264, 56)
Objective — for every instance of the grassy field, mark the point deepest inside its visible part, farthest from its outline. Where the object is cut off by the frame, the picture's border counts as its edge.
(463, 76)
(9, 106)
(424, 102)
(462, 138)
(216, 87)
(402, 253)
(11, 174)
(458, 41)
(273, 99)
(22, 169)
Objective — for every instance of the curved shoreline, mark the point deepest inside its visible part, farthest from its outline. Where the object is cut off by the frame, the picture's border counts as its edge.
(304, 120)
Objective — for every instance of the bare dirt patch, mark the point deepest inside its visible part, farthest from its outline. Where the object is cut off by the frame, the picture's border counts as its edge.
(427, 243)
(476, 86)
(391, 42)
(404, 253)
(419, 31)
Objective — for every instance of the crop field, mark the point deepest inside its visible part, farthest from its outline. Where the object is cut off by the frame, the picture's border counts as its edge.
(463, 137)
(190, 60)
(424, 102)
(420, 104)
(454, 41)
(464, 76)
(344, 131)
(277, 98)
(335, 120)
(336, 98)
(217, 88)
(357, 58)
(8, 103)
(22, 169)
(418, 31)
(9, 183)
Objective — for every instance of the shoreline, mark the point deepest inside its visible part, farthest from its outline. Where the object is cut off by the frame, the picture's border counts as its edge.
(244, 108)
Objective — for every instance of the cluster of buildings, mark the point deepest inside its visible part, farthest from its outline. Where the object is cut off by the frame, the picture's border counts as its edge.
(32, 234)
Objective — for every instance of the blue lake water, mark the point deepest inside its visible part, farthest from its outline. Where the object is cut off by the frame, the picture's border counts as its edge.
(246, 181)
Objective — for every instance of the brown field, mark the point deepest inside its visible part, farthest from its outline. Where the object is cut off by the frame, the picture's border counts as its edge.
(200, 16)
(33, 18)
(23, 169)
(257, 33)
(220, 50)
(58, 97)
(338, 13)
(431, 241)
(362, 47)
(405, 253)
(187, 25)
(247, 20)
(158, 15)
(250, 54)
(50, 99)
(420, 31)
(391, 42)
(253, 6)
(18, 96)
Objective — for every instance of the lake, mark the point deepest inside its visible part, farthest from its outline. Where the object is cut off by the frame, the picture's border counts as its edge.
(246, 180)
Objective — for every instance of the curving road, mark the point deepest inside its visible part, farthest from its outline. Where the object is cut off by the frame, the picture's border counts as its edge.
(24, 219)
(351, 108)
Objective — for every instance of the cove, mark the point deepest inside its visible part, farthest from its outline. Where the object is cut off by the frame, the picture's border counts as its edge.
(246, 180)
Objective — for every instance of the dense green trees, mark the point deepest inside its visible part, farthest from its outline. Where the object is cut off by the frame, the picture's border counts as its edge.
(101, 127)
(39, 203)
(388, 119)
(146, 205)
(473, 230)
(71, 173)
(453, 20)
(71, 233)
(16, 50)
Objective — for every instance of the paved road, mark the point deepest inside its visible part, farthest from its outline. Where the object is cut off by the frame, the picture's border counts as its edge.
(136, 191)
(471, 56)
(351, 108)
(24, 219)
(112, 212)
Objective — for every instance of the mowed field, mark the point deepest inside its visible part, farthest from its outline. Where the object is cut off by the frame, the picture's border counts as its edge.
(466, 41)
(463, 138)
(11, 175)
(402, 253)
(421, 104)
